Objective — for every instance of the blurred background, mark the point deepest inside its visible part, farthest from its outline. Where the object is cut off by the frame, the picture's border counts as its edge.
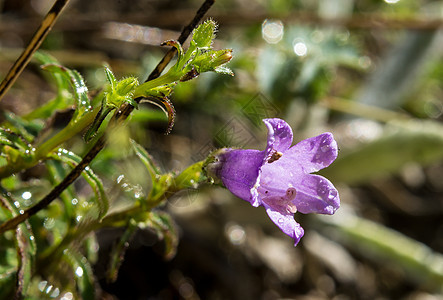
(370, 72)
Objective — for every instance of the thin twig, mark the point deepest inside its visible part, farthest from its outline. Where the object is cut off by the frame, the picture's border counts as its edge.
(98, 146)
(34, 44)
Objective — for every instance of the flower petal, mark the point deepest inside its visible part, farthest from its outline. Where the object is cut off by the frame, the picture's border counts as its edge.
(239, 172)
(287, 224)
(316, 194)
(315, 153)
(279, 134)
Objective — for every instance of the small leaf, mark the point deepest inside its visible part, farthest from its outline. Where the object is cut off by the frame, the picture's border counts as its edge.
(82, 272)
(110, 77)
(26, 250)
(78, 86)
(94, 181)
(145, 90)
(204, 34)
(211, 60)
(224, 70)
(146, 159)
(12, 139)
(118, 252)
(165, 228)
(25, 246)
(190, 177)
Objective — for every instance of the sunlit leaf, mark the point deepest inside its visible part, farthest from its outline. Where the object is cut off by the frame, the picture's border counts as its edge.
(94, 181)
(78, 86)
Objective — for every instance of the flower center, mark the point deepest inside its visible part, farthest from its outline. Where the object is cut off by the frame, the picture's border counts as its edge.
(274, 156)
(283, 203)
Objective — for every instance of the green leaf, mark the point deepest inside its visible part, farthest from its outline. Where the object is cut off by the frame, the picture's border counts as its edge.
(12, 139)
(384, 245)
(146, 159)
(82, 272)
(165, 229)
(190, 177)
(78, 86)
(26, 249)
(145, 90)
(25, 245)
(211, 60)
(94, 181)
(161, 183)
(407, 141)
(110, 77)
(204, 34)
(119, 250)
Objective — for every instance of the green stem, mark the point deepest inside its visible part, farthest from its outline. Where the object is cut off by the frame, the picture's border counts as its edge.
(46, 147)
(65, 134)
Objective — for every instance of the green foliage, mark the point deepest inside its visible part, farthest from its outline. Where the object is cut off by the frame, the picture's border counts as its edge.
(52, 249)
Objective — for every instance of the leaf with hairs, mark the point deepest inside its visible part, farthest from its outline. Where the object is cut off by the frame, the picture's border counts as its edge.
(165, 229)
(78, 86)
(118, 251)
(94, 181)
(82, 272)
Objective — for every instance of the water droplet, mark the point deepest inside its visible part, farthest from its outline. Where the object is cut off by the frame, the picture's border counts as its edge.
(79, 272)
(49, 289)
(26, 195)
(120, 178)
(55, 293)
(324, 148)
(21, 211)
(280, 221)
(42, 285)
(67, 296)
(17, 204)
(49, 223)
(74, 201)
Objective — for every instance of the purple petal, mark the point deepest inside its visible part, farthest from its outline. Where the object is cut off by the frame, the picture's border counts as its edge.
(287, 224)
(239, 171)
(316, 194)
(315, 153)
(279, 134)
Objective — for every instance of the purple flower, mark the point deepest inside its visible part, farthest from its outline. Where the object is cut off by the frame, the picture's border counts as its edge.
(279, 178)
